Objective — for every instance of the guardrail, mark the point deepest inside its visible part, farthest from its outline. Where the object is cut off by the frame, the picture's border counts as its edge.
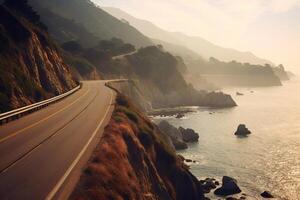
(17, 113)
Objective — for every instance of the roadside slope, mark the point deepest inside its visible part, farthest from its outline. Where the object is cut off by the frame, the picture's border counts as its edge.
(135, 161)
(31, 68)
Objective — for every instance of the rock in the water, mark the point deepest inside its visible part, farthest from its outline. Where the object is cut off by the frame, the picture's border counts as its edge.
(179, 145)
(188, 135)
(267, 195)
(242, 130)
(229, 187)
(208, 184)
(174, 134)
(179, 116)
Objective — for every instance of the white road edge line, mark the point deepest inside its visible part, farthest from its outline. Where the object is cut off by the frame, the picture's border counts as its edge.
(65, 176)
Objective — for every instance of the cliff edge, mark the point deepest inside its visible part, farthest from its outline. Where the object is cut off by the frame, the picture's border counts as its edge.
(31, 68)
(134, 160)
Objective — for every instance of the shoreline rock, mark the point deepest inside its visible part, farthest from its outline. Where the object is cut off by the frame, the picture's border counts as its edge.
(179, 137)
(267, 195)
(173, 134)
(229, 187)
(242, 130)
(188, 135)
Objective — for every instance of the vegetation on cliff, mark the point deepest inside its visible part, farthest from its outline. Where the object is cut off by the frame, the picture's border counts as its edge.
(31, 68)
(135, 161)
(98, 23)
(238, 74)
(158, 75)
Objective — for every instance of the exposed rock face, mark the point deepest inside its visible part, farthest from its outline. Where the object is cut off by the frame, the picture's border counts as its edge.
(134, 161)
(132, 90)
(229, 187)
(188, 135)
(208, 184)
(174, 134)
(31, 68)
(180, 136)
(217, 99)
(242, 130)
(267, 195)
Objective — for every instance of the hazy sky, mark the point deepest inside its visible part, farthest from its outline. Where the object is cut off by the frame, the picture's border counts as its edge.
(268, 28)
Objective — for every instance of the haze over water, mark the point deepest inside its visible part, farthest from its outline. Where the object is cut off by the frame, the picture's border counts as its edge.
(269, 159)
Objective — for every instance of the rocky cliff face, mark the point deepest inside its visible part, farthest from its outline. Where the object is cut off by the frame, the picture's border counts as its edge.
(135, 161)
(161, 82)
(31, 68)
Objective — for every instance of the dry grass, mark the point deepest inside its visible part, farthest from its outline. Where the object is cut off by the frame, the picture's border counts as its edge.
(133, 161)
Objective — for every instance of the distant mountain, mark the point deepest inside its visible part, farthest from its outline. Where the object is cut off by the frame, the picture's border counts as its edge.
(238, 74)
(31, 68)
(197, 44)
(65, 30)
(98, 22)
(178, 50)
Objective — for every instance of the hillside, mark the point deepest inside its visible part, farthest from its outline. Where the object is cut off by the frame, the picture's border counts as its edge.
(237, 74)
(31, 68)
(159, 78)
(134, 160)
(197, 44)
(98, 23)
(65, 30)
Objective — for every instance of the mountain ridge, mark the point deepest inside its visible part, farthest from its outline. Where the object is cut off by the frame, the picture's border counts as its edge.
(95, 20)
(197, 44)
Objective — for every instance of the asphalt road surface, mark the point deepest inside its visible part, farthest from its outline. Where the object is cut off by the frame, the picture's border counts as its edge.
(39, 151)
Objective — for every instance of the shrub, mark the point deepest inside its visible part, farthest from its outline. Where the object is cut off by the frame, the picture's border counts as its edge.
(129, 113)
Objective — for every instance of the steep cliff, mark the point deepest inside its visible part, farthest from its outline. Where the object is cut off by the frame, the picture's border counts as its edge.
(158, 76)
(96, 21)
(31, 68)
(134, 160)
(237, 74)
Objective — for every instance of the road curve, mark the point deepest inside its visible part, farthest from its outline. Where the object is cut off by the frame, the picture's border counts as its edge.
(39, 151)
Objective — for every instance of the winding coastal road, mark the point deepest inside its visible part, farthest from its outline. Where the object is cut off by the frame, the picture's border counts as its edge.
(42, 152)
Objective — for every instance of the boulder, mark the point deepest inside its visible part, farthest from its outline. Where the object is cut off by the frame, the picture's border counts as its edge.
(188, 135)
(242, 130)
(229, 187)
(208, 185)
(179, 145)
(179, 116)
(174, 134)
(267, 195)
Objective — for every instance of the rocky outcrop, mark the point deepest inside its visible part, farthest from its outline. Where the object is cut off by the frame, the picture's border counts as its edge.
(242, 130)
(132, 90)
(217, 100)
(267, 195)
(31, 68)
(134, 161)
(178, 136)
(209, 184)
(229, 187)
(281, 73)
(174, 134)
(188, 135)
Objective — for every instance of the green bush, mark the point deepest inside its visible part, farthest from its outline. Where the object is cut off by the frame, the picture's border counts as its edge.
(130, 114)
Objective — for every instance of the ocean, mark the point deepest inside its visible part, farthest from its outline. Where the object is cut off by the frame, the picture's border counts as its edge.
(269, 159)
